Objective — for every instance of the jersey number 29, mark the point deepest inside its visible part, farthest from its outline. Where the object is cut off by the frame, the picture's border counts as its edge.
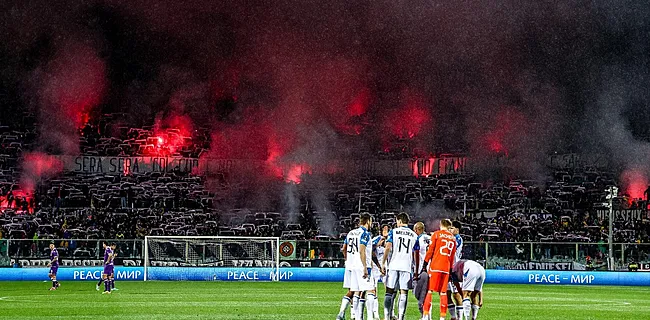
(447, 247)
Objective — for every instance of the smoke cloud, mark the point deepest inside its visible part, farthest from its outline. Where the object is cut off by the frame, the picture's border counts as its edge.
(67, 89)
(292, 84)
(622, 94)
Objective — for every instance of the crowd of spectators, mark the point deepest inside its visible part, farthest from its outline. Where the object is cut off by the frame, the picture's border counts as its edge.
(563, 208)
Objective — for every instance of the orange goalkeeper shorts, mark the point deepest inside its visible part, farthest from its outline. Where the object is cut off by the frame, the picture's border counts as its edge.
(438, 281)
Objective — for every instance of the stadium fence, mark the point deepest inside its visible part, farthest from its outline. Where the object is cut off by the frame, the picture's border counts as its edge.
(321, 253)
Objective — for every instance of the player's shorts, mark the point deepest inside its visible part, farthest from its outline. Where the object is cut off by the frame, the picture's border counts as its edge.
(438, 281)
(474, 279)
(402, 280)
(358, 283)
(108, 270)
(346, 279)
(54, 269)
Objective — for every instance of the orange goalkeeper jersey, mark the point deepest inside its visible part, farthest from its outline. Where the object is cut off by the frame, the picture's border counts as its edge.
(441, 252)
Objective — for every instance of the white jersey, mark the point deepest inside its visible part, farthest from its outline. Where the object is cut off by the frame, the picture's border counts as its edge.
(404, 242)
(424, 240)
(459, 248)
(354, 240)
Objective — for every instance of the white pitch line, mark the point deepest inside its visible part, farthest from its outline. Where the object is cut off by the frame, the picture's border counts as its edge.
(13, 299)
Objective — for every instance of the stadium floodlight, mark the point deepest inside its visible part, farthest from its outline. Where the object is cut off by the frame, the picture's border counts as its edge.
(211, 258)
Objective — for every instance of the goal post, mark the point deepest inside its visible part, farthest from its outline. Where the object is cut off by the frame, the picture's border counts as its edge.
(211, 258)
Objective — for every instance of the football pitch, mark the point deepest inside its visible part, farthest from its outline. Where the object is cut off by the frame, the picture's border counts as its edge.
(296, 300)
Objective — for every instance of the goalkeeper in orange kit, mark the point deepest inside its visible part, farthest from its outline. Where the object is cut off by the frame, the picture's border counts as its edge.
(438, 263)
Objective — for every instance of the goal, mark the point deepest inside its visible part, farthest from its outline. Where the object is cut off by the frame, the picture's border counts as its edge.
(211, 258)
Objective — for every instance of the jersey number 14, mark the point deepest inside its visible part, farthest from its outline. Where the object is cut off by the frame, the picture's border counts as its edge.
(401, 245)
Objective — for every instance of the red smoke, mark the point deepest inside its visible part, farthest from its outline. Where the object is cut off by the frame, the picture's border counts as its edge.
(634, 183)
(294, 172)
(261, 142)
(68, 89)
(275, 152)
(494, 143)
(74, 84)
(36, 166)
(504, 132)
(407, 121)
(355, 122)
(171, 135)
(278, 166)
(359, 105)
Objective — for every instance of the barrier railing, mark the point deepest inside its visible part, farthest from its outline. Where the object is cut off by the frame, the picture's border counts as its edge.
(517, 255)
(556, 255)
(496, 255)
(80, 249)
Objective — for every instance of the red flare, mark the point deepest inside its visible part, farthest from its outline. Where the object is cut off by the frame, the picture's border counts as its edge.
(171, 135)
(635, 182)
(295, 171)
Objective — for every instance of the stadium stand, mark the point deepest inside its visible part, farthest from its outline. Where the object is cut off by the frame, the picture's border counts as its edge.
(97, 206)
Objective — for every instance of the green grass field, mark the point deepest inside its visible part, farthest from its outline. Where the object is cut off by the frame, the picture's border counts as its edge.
(314, 301)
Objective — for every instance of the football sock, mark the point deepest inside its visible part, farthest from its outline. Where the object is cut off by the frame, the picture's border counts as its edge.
(370, 305)
(427, 304)
(355, 304)
(403, 298)
(345, 302)
(452, 311)
(376, 306)
(388, 305)
(53, 283)
(474, 311)
(112, 284)
(459, 312)
(107, 286)
(467, 308)
(99, 283)
(362, 303)
(443, 305)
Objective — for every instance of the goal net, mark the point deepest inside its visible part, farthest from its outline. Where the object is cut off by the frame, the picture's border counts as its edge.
(211, 258)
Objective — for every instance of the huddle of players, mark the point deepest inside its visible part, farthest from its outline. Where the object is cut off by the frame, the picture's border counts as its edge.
(108, 275)
(401, 251)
